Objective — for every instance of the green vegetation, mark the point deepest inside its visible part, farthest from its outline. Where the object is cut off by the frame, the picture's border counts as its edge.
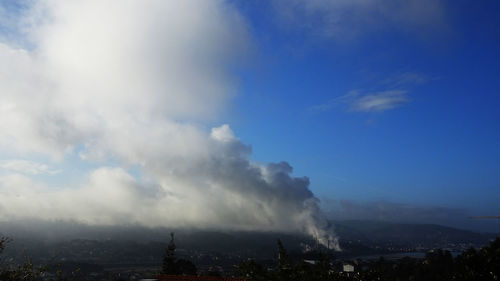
(28, 271)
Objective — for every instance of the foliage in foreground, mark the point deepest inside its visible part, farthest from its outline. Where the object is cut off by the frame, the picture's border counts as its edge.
(483, 264)
(26, 271)
(471, 265)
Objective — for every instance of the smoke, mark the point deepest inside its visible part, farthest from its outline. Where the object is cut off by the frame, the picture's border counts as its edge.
(129, 86)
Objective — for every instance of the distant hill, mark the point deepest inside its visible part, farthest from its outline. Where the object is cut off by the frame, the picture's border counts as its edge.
(401, 233)
(131, 243)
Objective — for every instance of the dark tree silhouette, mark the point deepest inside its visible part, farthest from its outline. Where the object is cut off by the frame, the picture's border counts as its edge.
(185, 267)
(169, 266)
(24, 272)
(284, 264)
(252, 271)
(471, 265)
(174, 266)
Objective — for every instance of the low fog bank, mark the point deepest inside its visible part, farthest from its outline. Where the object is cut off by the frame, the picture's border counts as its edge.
(51, 232)
(359, 231)
(138, 245)
(132, 245)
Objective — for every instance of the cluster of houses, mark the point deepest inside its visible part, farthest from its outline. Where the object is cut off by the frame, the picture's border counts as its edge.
(347, 268)
(192, 278)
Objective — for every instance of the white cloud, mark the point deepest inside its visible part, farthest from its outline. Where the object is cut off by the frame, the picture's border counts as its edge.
(130, 83)
(394, 94)
(369, 102)
(378, 102)
(223, 133)
(219, 189)
(98, 66)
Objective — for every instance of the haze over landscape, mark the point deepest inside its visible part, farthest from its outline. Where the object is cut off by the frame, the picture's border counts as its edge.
(260, 116)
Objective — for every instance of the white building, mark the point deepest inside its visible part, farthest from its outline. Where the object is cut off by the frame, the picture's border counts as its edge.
(349, 268)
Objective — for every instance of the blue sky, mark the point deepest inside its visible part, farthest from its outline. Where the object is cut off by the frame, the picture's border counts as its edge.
(440, 147)
(387, 104)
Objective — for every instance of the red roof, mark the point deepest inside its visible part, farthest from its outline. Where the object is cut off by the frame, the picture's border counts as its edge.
(195, 278)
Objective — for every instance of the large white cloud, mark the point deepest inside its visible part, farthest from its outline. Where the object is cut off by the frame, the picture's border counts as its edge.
(131, 84)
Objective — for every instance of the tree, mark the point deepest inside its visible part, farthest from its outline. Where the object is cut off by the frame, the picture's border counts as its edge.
(169, 266)
(3, 241)
(185, 267)
(23, 272)
(174, 266)
(284, 265)
(323, 267)
(252, 271)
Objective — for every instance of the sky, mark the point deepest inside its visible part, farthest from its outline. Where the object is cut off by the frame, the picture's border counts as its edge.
(250, 115)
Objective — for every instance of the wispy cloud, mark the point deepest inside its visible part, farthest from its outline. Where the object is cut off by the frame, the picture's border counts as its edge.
(405, 79)
(392, 92)
(342, 20)
(28, 167)
(368, 102)
(378, 102)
